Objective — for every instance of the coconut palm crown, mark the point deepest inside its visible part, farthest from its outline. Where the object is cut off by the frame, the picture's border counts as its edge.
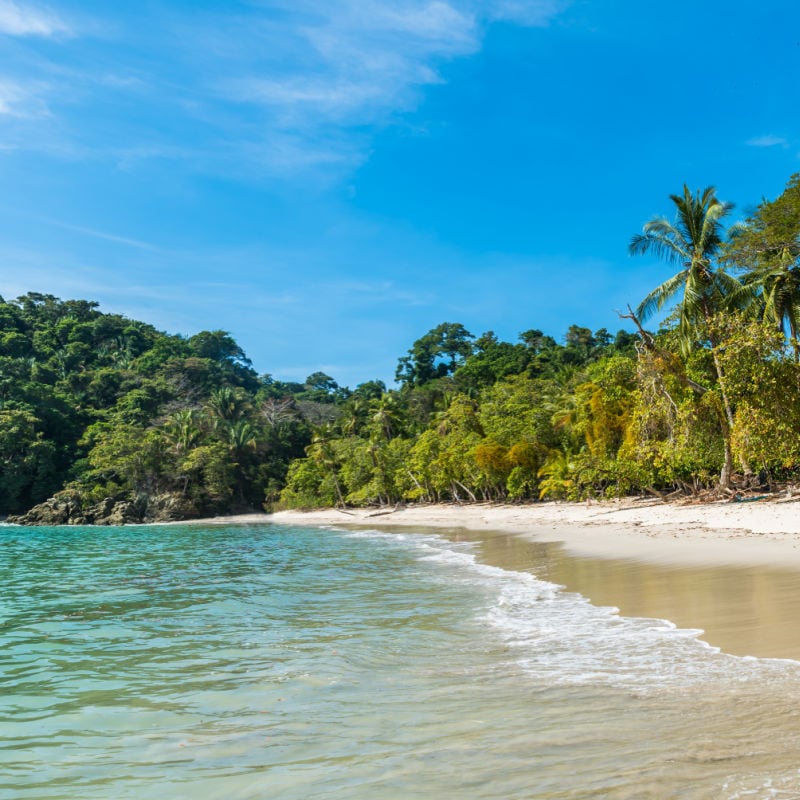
(691, 241)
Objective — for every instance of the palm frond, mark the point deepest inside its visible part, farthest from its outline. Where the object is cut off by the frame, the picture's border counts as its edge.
(736, 294)
(660, 296)
(662, 247)
(737, 229)
(695, 292)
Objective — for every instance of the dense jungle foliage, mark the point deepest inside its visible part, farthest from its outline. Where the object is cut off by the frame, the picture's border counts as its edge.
(710, 400)
(104, 409)
(112, 408)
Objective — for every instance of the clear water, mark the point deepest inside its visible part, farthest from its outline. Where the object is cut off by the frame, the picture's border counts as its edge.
(273, 662)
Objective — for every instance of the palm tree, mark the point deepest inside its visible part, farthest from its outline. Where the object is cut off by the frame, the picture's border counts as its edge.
(242, 439)
(692, 242)
(779, 282)
(241, 436)
(182, 431)
(227, 404)
(701, 287)
(773, 271)
(385, 416)
(767, 249)
(353, 416)
(321, 452)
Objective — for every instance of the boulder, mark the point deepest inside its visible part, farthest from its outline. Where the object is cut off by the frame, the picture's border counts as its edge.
(114, 512)
(63, 508)
(169, 508)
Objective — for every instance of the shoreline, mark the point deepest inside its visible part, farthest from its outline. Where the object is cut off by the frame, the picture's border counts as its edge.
(729, 571)
(765, 532)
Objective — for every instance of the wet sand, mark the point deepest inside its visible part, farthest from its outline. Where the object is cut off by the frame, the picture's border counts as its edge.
(743, 610)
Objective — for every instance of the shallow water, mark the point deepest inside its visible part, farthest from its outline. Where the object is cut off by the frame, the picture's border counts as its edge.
(266, 661)
(743, 610)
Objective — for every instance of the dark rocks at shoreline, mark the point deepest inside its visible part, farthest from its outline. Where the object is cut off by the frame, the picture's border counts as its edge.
(66, 508)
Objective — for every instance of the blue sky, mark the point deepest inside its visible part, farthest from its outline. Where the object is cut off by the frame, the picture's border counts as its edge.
(329, 179)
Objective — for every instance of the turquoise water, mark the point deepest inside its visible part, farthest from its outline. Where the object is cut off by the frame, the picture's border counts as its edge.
(272, 662)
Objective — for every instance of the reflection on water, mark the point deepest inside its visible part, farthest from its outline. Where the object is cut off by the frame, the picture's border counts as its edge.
(746, 611)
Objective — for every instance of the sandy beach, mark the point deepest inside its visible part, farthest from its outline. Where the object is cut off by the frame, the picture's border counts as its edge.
(762, 532)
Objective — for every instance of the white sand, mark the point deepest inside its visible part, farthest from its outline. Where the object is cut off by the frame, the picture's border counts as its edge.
(763, 532)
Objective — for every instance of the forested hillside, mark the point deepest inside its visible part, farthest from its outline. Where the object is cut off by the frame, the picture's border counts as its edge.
(124, 423)
(138, 424)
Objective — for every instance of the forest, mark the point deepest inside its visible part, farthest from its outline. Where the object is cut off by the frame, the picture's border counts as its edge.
(107, 420)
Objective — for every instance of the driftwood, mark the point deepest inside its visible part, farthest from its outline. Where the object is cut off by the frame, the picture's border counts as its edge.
(384, 513)
(652, 501)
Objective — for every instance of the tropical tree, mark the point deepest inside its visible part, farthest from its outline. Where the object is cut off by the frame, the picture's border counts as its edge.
(767, 248)
(437, 354)
(385, 415)
(779, 281)
(701, 287)
(692, 241)
(227, 404)
(241, 437)
(182, 431)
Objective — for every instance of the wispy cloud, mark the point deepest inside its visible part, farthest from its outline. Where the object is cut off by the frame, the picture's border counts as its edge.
(17, 19)
(21, 100)
(532, 13)
(768, 141)
(358, 63)
(353, 64)
(379, 292)
(104, 235)
(283, 88)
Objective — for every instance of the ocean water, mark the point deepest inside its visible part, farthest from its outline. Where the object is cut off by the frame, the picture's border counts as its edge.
(276, 662)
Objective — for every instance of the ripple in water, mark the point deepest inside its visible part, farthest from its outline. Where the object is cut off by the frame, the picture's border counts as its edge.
(264, 661)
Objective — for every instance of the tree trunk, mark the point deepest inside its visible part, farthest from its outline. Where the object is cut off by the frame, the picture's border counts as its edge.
(472, 496)
(337, 487)
(727, 469)
(727, 466)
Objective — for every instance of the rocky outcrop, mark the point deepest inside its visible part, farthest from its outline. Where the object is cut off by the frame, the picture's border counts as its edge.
(168, 508)
(66, 508)
(63, 508)
(112, 512)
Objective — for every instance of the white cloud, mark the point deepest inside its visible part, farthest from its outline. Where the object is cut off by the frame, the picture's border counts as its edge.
(285, 88)
(768, 141)
(18, 100)
(374, 56)
(435, 21)
(328, 97)
(121, 81)
(356, 62)
(22, 20)
(352, 64)
(531, 13)
(8, 98)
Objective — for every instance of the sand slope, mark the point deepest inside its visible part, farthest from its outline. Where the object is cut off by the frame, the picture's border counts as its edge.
(741, 533)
